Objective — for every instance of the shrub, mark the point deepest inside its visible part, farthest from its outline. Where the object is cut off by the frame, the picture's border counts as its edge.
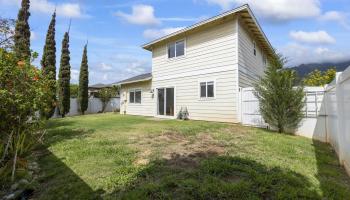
(281, 103)
(318, 78)
(105, 95)
(22, 91)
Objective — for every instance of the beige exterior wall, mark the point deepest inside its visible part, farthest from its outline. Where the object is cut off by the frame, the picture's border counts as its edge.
(210, 55)
(147, 105)
(250, 66)
(222, 52)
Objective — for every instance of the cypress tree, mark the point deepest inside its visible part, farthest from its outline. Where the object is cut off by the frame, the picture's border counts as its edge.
(48, 64)
(22, 32)
(83, 98)
(281, 104)
(64, 78)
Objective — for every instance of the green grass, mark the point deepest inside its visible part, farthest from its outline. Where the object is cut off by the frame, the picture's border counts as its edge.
(111, 156)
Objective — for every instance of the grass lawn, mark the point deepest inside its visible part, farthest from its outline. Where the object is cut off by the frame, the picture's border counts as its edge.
(111, 156)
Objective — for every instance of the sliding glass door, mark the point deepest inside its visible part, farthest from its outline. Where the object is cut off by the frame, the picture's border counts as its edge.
(166, 100)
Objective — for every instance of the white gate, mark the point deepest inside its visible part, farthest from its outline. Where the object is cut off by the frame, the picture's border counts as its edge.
(250, 109)
(250, 106)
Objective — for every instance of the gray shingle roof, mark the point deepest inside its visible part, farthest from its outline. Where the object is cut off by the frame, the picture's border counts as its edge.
(99, 85)
(141, 77)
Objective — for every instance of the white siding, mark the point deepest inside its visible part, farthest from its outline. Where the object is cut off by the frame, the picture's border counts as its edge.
(147, 106)
(250, 66)
(211, 55)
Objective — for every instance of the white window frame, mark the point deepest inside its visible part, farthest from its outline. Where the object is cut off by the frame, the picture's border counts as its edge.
(254, 47)
(206, 89)
(134, 90)
(176, 57)
(264, 59)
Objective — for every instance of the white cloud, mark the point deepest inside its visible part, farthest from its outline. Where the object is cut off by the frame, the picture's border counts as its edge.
(180, 19)
(135, 68)
(119, 67)
(276, 10)
(74, 75)
(157, 33)
(299, 54)
(105, 67)
(317, 37)
(71, 10)
(141, 15)
(224, 4)
(33, 35)
(336, 16)
(144, 15)
(105, 77)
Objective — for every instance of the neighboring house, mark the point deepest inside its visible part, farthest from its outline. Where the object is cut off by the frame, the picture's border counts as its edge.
(94, 89)
(201, 68)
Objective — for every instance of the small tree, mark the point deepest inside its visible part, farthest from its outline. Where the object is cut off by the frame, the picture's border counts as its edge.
(64, 78)
(74, 90)
(318, 78)
(22, 32)
(48, 64)
(105, 96)
(83, 93)
(281, 104)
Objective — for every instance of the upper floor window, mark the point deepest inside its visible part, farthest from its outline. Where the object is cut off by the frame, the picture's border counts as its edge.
(207, 89)
(254, 48)
(135, 96)
(264, 59)
(176, 49)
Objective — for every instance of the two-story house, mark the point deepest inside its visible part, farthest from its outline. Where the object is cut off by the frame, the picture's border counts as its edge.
(201, 68)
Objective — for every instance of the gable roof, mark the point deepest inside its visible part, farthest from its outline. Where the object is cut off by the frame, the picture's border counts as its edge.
(99, 85)
(246, 15)
(138, 78)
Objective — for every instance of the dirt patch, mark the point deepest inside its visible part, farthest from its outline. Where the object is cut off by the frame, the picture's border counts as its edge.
(143, 157)
(177, 149)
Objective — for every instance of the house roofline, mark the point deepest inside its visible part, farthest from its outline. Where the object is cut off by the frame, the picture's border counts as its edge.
(245, 7)
(135, 81)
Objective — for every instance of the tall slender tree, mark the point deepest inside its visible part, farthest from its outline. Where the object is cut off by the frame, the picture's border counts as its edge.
(281, 104)
(48, 64)
(64, 78)
(83, 98)
(22, 32)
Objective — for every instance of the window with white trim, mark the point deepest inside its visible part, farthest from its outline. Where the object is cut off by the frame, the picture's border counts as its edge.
(135, 96)
(264, 59)
(176, 49)
(206, 89)
(254, 48)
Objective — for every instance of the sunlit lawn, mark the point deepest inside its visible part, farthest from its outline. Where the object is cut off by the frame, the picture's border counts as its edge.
(112, 156)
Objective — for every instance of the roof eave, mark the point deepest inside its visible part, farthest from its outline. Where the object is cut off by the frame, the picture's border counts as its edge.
(148, 46)
(135, 81)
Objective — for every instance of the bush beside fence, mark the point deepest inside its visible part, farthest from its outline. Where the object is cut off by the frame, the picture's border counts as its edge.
(327, 114)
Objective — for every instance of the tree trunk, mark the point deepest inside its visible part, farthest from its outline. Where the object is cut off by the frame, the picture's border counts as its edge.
(14, 165)
(7, 147)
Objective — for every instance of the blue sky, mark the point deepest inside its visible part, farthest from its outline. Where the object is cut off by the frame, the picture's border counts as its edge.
(303, 30)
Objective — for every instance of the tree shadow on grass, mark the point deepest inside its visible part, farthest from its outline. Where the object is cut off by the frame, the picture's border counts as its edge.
(60, 134)
(58, 181)
(56, 123)
(334, 182)
(207, 175)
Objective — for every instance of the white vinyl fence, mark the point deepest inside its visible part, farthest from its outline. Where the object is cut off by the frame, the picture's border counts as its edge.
(95, 106)
(338, 116)
(327, 114)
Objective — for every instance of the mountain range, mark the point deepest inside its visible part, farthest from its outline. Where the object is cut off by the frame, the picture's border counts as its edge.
(304, 69)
